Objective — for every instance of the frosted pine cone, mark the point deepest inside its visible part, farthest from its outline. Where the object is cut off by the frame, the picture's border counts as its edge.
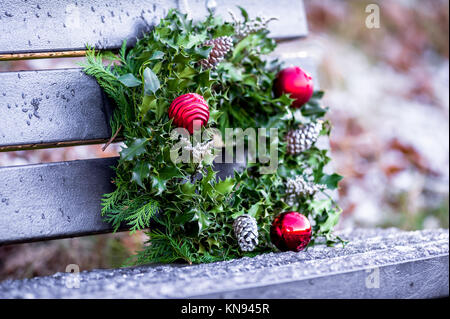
(246, 232)
(303, 138)
(243, 29)
(298, 187)
(220, 47)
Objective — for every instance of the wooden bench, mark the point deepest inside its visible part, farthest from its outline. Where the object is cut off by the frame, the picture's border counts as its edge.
(54, 108)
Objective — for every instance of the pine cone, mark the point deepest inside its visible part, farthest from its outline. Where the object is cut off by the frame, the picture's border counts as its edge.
(220, 47)
(246, 232)
(298, 187)
(303, 138)
(243, 29)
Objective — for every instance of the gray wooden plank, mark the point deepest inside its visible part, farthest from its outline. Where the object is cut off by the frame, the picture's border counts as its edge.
(55, 200)
(44, 108)
(58, 200)
(40, 107)
(376, 263)
(47, 25)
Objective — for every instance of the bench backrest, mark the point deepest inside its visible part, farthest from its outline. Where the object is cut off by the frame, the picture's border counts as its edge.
(54, 108)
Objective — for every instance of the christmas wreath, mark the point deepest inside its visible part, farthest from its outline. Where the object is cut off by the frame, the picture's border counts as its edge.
(200, 76)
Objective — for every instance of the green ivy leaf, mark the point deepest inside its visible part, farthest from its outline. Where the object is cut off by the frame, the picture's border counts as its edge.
(151, 82)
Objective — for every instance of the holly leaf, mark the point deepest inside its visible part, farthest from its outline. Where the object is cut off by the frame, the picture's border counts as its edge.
(195, 39)
(313, 109)
(201, 218)
(225, 187)
(224, 30)
(208, 177)
(129, 80)
(254, 209)
(318, 94)
(244, 13)
(140, 172)
(159, 184)
(151, 82)
(330, 221)
(331, 180)
(160, 109)
(187, 73)
(157, 55)
(148, 103)
(136, 148)
(201, 52)
(169, 172)
(212, 242)
(188, 188)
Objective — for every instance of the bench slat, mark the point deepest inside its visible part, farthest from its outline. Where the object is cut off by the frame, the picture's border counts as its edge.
(58, 200)
(55, 200)
(46, 107)
(58, 26)
(43, 108)
(376, 263)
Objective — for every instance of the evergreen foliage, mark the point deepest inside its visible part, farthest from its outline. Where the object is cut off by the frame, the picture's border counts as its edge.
(189, 213)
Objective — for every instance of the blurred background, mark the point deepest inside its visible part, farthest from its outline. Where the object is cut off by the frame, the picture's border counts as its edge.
(387, 89)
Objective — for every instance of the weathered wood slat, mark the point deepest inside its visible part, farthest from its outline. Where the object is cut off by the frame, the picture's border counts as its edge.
(376, 263)
(47, 25)
(56, 200)
(46, 107)
(61, 107)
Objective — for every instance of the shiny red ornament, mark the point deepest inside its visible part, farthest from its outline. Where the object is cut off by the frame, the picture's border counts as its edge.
(290, 231)
(187, 108)
(295, 81)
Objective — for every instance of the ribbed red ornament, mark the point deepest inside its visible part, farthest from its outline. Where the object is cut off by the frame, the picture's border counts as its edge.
(290, 231)
(187, 108)
(295, 81)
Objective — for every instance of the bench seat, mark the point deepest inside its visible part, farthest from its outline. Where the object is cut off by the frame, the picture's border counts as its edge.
(410, 265)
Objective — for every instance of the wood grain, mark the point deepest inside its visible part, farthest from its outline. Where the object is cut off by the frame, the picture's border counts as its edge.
(48, 25)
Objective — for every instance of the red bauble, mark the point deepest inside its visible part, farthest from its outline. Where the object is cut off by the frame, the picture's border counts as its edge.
(290, 231)
(295, 81)
(187, 108)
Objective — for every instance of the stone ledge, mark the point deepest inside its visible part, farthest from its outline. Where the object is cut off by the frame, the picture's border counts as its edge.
(408, 265)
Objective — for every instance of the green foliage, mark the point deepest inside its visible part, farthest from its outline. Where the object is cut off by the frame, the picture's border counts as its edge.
(188, 210)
